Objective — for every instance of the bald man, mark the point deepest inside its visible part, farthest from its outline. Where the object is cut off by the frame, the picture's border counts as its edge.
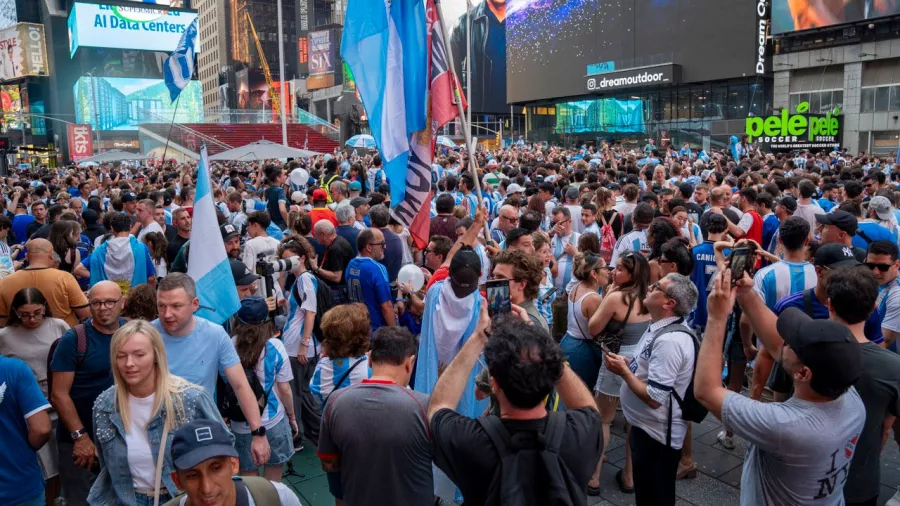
(67, 301)
(79, 376)
(507, 220)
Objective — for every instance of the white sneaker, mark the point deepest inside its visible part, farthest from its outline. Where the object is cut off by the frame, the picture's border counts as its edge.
(895, 500)
(728, 442)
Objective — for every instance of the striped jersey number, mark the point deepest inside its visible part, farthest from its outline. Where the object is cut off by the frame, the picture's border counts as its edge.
(711, 273)
(356, 291)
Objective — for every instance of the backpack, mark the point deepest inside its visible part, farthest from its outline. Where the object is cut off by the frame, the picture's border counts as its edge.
(531, 471)
(324, 185)
(691, 409)
(227, 401)
(323, 303)
(261, 489)
(607, 238)
(81, 346)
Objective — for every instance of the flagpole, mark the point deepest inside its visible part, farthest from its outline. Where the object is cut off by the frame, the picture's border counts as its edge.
(470, 147)
(169, 135)
(473, 165)
(281, 94)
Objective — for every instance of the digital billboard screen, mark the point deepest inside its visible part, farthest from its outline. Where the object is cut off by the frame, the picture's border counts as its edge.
(126, 103)
(795, 15)
(555, 47)
(145, 27)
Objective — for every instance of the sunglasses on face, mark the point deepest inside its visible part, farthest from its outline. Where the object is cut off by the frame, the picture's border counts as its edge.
(880, 267)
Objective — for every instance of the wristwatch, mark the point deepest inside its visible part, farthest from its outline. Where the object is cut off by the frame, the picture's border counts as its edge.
(75, 434)
(260, 431)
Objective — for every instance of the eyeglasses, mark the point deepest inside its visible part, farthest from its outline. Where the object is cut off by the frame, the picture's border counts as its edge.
(657, 286)
(511, 220)
(105, 304)
(31, 316)
(880, 267)
(382, 243)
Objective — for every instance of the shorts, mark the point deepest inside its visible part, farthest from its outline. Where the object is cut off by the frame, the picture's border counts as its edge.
(281, 444)
(734, 351)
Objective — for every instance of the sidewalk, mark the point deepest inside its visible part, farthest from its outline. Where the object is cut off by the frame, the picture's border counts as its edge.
(717, 483)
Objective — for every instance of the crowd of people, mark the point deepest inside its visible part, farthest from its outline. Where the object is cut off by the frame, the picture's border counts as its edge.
(756, 288)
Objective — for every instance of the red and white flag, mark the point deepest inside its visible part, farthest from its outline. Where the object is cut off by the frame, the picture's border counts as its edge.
(444, 94)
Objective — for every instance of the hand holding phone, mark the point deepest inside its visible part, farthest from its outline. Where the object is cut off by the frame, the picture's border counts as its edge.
(739, 262)
(498, 297)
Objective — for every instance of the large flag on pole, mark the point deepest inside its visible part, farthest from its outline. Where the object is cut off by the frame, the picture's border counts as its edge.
(179, 66)
(207, 261)
(384, 44)
(443, 90)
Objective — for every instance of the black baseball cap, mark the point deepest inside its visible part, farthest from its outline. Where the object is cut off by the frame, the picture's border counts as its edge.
(827, 348)
(129, 197)
(240, 272)
(788, 203)
(686, 189)
(834, 255)
(200, 440)
(465, 270)
(253, 310)
(228, 232)
(840, 219)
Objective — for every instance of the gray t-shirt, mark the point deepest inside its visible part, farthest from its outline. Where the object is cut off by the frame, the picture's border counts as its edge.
(879, 389)
(800, 451)
(379, 432)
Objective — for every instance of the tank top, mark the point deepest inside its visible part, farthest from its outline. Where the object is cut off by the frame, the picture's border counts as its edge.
(577, 324)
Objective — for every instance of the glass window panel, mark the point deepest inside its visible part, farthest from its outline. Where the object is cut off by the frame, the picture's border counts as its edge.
(814, 102)
(837, 99)
(825, 102)
(867, 100)
(793, 100)
(738, 97)
(684, 105)
(881, 98)
(895, 98)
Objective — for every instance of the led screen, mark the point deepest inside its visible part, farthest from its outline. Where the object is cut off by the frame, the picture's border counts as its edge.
(490, 22)
(794, 15)
(125, 103)
(607, 115)
(146, 27)
(553, 47)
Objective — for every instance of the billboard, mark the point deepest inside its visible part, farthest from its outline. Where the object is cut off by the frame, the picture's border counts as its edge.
(126, 103)
(489, 19)
(81, 142)
(600, 115)
(322, 52)
(554, 46)
(13, 105)
(23, 51)
(793, 132)
(145, 27)
(794, 15)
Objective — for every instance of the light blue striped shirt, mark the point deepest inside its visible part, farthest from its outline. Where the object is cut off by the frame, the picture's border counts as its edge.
(783, 279)
(564, 261)
(636, 241)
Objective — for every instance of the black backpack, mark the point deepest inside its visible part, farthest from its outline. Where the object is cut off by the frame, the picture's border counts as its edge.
(691, 409)
(531, 470)
(81, 346)
(227, 402)
(323, 304)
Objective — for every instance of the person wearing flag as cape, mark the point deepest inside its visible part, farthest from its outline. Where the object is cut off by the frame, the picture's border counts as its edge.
(122, 258)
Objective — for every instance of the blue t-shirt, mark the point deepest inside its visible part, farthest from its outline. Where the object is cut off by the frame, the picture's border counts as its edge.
(826, 204)
(20, 398)
(393, 254)
(92, 377)
(820, 312)
(348, 232)
(367, 282)
(770, 226)
(874, 232)
(274, 195)
(20, 224)
(201, 355)
(702, 277)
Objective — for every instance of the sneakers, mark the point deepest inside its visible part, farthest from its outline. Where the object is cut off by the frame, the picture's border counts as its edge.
(725, 440)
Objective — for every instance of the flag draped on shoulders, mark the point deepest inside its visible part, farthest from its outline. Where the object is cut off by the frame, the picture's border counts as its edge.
(121, 260)
(208, 265)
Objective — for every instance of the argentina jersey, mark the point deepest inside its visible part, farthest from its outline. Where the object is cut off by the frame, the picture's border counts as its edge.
(704, 272)
(636, 240)
(273, 367)
(306, 286)
(330, 371)
(783, 279)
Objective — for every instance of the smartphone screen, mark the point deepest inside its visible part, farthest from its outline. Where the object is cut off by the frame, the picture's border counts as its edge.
(498, 297)
(739, 263)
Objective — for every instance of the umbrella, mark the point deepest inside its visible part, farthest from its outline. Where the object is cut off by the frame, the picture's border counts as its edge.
(88, 164)
(262, 150)
(443, 140)
(114, 155)
(361, 141)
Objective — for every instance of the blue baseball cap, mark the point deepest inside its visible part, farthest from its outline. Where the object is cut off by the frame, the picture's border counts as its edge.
(253, 310)
(200, 440)
(355, 186)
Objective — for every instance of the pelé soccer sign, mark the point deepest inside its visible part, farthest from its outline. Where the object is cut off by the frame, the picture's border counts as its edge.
(793, 132)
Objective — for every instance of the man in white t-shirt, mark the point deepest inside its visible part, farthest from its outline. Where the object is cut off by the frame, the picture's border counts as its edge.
(259, 243)
(145, 219)
(205, 462)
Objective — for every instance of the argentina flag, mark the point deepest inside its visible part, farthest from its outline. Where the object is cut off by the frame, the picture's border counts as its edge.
(179, 66)
(207, 261)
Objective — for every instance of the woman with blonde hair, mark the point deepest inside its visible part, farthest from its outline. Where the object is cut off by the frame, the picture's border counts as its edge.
(145, 406)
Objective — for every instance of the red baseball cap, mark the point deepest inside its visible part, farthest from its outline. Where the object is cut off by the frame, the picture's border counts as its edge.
(320, 194)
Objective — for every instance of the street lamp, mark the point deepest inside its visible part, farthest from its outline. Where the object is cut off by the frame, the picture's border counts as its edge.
(95, 114)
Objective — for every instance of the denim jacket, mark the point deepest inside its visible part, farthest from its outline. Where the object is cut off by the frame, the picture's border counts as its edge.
(113, 486)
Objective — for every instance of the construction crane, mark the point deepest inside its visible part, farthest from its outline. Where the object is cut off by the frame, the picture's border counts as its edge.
(273, 91)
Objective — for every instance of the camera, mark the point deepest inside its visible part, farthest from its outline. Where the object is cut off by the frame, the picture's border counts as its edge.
(264, 268)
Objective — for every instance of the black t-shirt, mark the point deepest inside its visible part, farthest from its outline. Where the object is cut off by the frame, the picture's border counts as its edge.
(175, 244)
(704, 218)
(336, 257)
(31, 229)
(463, 450)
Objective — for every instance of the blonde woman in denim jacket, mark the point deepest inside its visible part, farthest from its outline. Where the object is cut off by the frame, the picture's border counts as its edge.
(131, 416)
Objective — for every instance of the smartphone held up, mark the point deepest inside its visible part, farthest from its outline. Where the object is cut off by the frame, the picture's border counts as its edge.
(498, 297)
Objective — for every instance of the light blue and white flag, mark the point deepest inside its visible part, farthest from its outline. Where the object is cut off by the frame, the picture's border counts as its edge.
(179, 66)
(385, 45)
(207, 261)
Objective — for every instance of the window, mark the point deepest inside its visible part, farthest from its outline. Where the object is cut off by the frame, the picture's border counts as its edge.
(895, 98)
(881, 98)
(867, 100)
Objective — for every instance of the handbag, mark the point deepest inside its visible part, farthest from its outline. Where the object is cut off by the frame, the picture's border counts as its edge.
(159, 463)
(613, 339)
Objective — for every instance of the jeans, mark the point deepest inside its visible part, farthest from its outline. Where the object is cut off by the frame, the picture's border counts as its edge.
(309, 412)
(76, 481)
(655, 466)
(37, 500)
(585, 358)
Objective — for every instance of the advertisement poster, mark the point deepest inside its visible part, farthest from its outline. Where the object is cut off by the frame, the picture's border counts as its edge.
(125, 103)
(145, 27)
(11, 102)
(23, 51)
(795, 15)
(321, 52)
(488, 65)
(349, 81)
(81, 142)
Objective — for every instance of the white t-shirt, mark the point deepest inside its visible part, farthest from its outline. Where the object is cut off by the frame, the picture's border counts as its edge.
(285, 495)
(272, 367)
(252, 248)
(296, 319)
(141, 460)
(152, 227)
